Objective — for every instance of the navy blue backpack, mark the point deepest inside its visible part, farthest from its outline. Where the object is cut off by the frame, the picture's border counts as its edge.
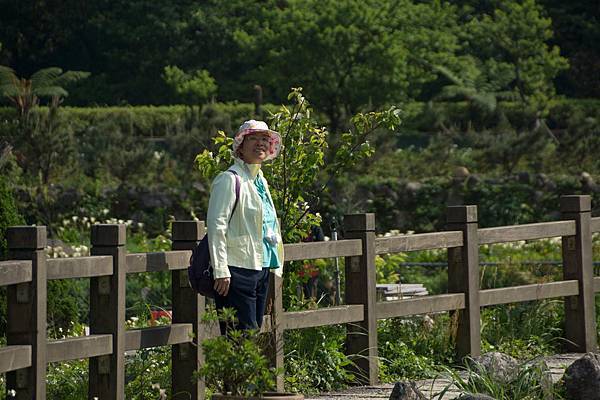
(200, 272)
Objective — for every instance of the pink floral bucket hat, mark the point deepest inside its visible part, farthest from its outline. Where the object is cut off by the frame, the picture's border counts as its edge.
(253, 126)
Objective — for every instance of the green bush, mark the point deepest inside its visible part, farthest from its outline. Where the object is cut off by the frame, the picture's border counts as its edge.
(9, 214)
(315, 361)
(415, 347)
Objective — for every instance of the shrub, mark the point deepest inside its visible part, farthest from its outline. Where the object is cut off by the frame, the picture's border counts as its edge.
(315, 361)
(415, 347)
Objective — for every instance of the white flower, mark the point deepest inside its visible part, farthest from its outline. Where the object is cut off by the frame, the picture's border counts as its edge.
(12, 393)
(105, 211)
(74, 218)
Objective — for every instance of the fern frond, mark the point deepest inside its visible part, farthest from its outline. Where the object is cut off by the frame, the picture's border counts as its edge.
(44, 77)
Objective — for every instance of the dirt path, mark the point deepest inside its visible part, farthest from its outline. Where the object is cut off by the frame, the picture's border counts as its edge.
(557, 364)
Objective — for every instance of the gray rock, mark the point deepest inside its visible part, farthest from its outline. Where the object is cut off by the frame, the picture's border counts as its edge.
(461, 173)
(413, 187)
(406, 391)
(582, 378)
(476, 396)
(501, 367)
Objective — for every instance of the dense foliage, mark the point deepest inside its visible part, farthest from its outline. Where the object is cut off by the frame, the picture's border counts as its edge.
(340, 50)
(479, 86)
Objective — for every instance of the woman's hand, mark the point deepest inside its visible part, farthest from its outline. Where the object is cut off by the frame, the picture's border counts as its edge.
(222, 286)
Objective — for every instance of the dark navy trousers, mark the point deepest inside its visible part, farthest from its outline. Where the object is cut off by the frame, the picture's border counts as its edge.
(247, 294)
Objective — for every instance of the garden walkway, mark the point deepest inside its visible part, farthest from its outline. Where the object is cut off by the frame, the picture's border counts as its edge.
(557, 364)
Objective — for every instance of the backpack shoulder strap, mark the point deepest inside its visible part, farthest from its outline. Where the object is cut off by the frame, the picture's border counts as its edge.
(237, 191)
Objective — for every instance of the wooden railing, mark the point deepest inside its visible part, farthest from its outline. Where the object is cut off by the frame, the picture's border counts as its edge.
(28, 350)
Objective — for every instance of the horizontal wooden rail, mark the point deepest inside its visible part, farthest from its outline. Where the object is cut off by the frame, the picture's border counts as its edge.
(323, 316)
(420, 305)
(421, 241)
(597, 284)
(313, 250)
(79, 267)
(14, 357)
(538, 291)
(160, 261)
(74, 348)
(595, 224)
(514, 233)
(13, 272)
(143, 338)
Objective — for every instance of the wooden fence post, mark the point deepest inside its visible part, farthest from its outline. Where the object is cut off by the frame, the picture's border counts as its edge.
(360, 288)
(463, 277)
(107, 313)
(276, 351)
(26, 303)
(188, 307)
(580, 314)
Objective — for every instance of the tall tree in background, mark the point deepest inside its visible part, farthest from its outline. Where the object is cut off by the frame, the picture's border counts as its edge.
(516, 34)
(358, 54)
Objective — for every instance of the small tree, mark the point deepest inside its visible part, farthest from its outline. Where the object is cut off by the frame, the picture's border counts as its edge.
(25, 93)
(191, 88)
(300, 175)
(40, 139)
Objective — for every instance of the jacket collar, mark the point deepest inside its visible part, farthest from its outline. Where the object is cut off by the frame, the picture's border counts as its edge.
(250, 170)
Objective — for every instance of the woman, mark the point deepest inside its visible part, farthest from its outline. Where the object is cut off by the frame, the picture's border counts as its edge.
(245, 245)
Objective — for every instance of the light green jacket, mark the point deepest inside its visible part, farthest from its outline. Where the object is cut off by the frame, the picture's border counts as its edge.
(239, 242)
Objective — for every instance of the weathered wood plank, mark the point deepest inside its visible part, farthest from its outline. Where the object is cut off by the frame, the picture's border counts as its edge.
(15, 271)
(421, 241)
(514, 233)
(107, 313)
(26, 310)
(538, 291)
(597, 284)
(79, 267)
(323, 316)
(421, 305)
(361, 289)
(313, 250)
(136, 339)
(581, 333)
(595, 224)
(14, 357)
(79, 347)
(188, 308)
(159, 261)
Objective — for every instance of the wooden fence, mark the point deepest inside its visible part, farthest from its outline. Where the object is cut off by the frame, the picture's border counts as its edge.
(28, 350)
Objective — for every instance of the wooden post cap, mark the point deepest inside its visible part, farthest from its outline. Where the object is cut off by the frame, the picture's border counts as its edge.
(461, 214)
(187, 230)
(108, 235)
(575, 203)
(26, 237)
(359, 222)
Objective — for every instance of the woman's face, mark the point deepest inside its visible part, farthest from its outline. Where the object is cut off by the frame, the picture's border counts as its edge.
(255, 147)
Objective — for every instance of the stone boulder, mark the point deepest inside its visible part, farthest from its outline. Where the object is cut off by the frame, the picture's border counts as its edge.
(582, 378)
(475, 396)
(501, 367)
(406, 391)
